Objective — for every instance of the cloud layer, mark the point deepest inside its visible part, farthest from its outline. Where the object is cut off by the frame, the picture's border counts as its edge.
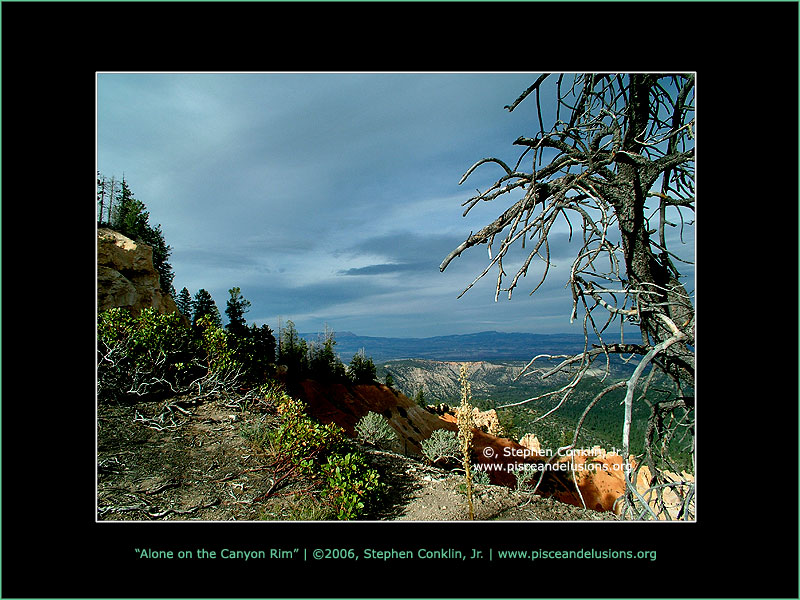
(328, 198)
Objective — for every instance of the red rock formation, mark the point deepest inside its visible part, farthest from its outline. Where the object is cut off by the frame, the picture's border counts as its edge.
(592, 477)
(346, 404)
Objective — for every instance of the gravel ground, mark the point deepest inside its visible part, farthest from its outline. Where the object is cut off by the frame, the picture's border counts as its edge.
(179, 460)
(424, 493)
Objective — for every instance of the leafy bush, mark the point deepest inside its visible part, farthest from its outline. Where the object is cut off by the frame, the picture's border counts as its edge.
(441, 445)
(525, 473)
(374, 429)
(324, 452)
(218, 345)
(480, 477)
(143, 355)
(349, 484)
(151, 354)
(304, 439)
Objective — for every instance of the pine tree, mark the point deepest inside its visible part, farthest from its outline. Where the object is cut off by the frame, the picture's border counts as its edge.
(420, 398)
(185, 303)
(362, 369)
(129, 217)
(235, 310)
(204, 305)
(292, 351)
(101, 196)
(324, 364)
(153, 237)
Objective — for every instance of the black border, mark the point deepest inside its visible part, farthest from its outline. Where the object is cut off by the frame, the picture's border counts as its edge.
(745, 542)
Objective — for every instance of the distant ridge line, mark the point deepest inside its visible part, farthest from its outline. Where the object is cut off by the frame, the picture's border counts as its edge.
(484, 345)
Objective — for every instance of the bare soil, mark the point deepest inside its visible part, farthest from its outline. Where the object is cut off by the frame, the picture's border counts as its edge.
(176, 459)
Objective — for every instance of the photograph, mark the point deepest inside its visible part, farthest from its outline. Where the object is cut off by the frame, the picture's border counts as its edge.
(400, 300)
(428, 324)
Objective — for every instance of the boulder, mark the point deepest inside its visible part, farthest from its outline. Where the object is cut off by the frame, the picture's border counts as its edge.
(126, 277)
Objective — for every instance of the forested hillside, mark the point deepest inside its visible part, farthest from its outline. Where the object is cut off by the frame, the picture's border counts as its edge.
(496, 385)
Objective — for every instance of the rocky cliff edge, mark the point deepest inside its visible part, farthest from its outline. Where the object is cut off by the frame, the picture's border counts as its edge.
(126, 277)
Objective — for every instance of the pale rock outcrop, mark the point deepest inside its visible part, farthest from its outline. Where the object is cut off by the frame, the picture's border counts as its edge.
(673, 495)
(126, 277)
(486, 421)
(531, 442)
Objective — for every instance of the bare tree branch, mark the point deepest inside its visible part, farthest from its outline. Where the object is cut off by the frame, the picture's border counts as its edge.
(623, 135)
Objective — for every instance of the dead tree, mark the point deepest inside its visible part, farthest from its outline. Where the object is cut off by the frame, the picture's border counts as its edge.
(617, 166)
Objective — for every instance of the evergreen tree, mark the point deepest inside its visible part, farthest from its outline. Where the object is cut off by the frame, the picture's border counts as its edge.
(419, 398)
(102, 184)
(235, 310)
(152, 236)
(389, 381)
(204, 305)
(256, 352)
(324, 364)
(185, 303)
(130, 218)
(292, 351)
(362, 369)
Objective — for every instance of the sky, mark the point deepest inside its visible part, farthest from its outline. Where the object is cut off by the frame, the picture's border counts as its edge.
(330, 199)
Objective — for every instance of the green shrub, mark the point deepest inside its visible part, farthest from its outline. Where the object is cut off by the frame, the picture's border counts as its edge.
(480, 477)
(152, 353)
(324, 451)
(350, 484)
(374, 429)
(304, 439)
(144, 355)
(442, 445)
(218, 345)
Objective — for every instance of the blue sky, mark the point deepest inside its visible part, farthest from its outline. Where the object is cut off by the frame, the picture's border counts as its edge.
(330, 198)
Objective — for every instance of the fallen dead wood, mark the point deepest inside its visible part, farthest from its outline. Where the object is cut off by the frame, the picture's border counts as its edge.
(187, 511)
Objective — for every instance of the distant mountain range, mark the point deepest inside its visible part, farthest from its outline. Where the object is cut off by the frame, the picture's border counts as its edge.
(483, 346)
